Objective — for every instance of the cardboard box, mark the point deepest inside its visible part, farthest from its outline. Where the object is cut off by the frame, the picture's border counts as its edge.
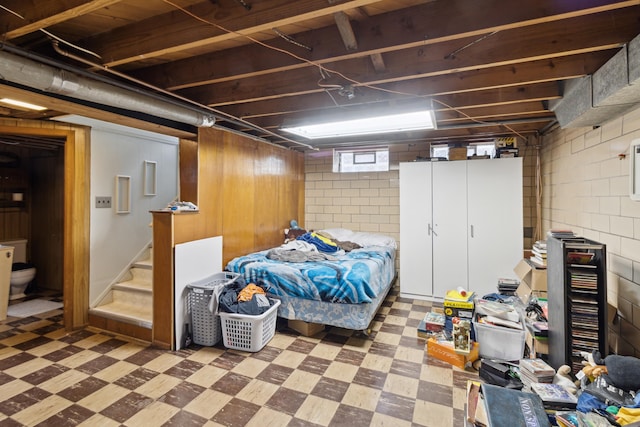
(457, 153)
(305, 328)
(533, 281)
(535, 278)
(443, 350)
(537, 346)
(524, 293)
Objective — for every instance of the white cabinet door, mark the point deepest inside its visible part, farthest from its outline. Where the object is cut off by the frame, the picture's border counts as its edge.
(449, 226)
(415, 223)
(495, 221)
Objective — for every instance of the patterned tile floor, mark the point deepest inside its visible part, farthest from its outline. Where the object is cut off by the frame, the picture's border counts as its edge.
(49, 377)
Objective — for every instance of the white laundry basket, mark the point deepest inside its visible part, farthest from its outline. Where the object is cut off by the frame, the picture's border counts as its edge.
(247, 332)
(205, 324)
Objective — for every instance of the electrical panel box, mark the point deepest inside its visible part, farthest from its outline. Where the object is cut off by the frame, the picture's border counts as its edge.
(634, 170)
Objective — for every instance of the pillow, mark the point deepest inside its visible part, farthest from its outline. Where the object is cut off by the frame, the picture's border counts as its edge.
(341, 234)
(365, 239)
(362, 238)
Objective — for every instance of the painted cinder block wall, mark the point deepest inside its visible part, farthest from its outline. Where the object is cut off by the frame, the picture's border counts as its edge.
(586, 188)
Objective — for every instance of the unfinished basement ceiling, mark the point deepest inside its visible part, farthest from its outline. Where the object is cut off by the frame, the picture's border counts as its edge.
(489, 70)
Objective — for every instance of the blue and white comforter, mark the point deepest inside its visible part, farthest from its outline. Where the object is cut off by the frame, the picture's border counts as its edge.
(355, 277)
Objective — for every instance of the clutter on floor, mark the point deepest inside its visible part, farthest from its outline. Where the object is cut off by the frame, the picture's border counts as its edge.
(505, 337)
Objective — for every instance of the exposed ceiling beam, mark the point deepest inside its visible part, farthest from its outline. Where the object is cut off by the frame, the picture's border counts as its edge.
(43, 14)
(346, 32)
(297, 82)
(419, 26)
(182, 32)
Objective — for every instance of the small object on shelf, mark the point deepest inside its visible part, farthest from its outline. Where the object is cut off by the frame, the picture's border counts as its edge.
(457, 153)
(506, 152)
(579, 257)
(182, 206)
(560, 233)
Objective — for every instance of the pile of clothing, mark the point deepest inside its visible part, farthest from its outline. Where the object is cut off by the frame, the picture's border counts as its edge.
(610, 386)
(242, 298)
(310, 246)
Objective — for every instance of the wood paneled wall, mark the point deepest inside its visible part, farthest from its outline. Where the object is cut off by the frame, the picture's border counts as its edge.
(248, 191)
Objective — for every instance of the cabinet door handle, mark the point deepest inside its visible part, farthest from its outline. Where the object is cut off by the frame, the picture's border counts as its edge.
(471, 230)
(429, 229)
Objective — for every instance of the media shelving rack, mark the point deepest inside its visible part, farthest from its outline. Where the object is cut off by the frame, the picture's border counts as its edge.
(577, 298)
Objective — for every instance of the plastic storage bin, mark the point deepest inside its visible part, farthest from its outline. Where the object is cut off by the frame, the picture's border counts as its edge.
(249, 333)
(205, 325)
(498, 342)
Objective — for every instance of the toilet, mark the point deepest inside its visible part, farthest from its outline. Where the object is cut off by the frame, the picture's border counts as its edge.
(22, 273)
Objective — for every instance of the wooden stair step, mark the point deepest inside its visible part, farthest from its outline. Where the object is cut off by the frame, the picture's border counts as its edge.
(146, 264)
(124, 312)
(135, 286)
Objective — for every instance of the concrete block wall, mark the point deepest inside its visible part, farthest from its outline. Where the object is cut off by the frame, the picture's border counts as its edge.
(586, 188)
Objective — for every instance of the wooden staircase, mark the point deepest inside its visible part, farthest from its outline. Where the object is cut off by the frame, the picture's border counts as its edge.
(127, 307)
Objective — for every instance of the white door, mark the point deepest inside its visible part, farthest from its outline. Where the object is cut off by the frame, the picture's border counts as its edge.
(415, 225)
(495, 221)
(449, 226)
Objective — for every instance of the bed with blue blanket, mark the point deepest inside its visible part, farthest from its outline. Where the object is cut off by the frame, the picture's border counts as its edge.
(340, 288)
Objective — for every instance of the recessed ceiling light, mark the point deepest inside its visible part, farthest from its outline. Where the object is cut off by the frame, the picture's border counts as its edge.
(22, 104)
(387, 123)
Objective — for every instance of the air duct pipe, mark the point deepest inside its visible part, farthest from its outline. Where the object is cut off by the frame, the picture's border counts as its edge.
(23, 71)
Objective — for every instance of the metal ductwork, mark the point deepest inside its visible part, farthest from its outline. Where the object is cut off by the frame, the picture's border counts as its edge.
(611, 91)
(29, 73)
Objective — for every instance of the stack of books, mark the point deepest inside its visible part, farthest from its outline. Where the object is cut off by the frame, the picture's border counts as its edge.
(508, 286)
(539, 254)
(535, 371)
(560, 233)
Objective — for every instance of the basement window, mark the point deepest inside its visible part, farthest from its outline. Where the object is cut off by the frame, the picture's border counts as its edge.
(361, 160)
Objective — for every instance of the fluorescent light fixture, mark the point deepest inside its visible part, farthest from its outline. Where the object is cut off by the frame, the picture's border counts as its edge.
(22, 104)
(402, 122)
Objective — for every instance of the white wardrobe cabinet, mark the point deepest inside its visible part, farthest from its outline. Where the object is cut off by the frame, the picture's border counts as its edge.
(460, 225)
